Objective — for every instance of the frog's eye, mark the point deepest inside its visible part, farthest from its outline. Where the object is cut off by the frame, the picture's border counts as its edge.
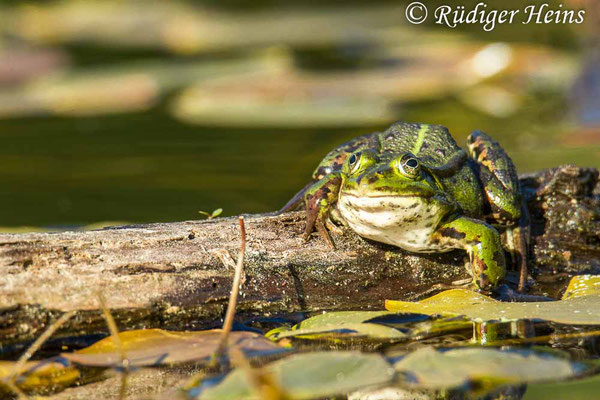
(409, 166)
(359, 161)
(354, 162)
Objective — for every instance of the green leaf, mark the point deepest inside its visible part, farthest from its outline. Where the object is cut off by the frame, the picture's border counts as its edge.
(345, 331)
(310, 375)
(152, 347)
(586, 388)
(341, 325)
(341, 318)
(216, 213)
(435, 369)
(477, 307)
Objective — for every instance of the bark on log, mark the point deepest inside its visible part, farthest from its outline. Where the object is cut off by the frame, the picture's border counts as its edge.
(172, 275)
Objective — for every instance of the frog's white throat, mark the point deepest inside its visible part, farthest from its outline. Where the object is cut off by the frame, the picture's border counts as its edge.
(404, 221)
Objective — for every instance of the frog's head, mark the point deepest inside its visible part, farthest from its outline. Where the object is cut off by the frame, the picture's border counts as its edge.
(399, 202)
(404, 176)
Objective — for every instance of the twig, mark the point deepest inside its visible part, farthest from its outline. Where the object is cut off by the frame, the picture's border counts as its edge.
(261, 379)
(114, 333)
(35, 346)
(235, 288)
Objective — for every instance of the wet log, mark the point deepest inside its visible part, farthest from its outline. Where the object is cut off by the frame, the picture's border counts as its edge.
(178, 275)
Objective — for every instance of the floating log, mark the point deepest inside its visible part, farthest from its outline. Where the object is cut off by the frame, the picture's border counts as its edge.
(178, 275)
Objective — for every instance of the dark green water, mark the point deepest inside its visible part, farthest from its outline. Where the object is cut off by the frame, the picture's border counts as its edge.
(144, 167)
(148, 167)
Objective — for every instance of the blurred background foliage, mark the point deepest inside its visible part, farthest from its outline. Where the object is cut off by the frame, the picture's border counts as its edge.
(143, 111)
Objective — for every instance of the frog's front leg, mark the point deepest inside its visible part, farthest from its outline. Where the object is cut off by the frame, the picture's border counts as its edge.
(482, 243)
(319, 200)
(500, 182)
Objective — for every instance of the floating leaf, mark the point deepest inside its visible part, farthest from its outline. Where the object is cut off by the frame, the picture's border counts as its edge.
(124, 88)
(480, 308)
(582, 285)
(348, 325)
(151, 347)
(586, 388)
(310, 375)
(41, 376)
(185, 27)
(341, 318)
(430, 368)
(346, 331)
(215, 107)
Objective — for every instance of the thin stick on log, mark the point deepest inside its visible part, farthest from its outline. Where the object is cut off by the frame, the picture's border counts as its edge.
(235, 289)
(114, 334)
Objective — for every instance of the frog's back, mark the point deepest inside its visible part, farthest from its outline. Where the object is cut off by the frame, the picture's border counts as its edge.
(432, 144)
(435, 147)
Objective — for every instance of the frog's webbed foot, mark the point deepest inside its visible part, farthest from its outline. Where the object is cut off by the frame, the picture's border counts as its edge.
(482, 243)
(320, 199)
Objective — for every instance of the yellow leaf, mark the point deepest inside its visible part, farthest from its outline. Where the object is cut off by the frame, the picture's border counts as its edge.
(479, 308)
(149, 347)
(582, 285)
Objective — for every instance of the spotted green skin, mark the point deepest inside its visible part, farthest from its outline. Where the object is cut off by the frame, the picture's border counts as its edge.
(452, 201)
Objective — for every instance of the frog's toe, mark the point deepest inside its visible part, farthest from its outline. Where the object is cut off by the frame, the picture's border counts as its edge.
(318, 220)
(333, 227)
(319, 200)
(325, 234)
(311, 217)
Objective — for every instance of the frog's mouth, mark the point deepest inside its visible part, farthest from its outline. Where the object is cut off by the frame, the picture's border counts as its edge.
(386, 195)
(381, 203)
(419, 191)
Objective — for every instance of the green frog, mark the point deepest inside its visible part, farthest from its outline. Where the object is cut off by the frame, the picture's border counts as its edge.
(413, 187)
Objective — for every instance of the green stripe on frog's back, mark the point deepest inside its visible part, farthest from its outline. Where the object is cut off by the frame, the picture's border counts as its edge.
(423, 131)
(432, 144)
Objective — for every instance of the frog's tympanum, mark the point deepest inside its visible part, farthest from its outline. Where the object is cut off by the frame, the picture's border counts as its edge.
(413, 187)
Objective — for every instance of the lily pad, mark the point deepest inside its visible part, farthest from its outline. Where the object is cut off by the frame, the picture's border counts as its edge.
(201, 105)
(344, 331)
(309, 376)
(358, 317)
(477, 307)
(436, 369)
(349, 324)
(586, 388)
(152, 347)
